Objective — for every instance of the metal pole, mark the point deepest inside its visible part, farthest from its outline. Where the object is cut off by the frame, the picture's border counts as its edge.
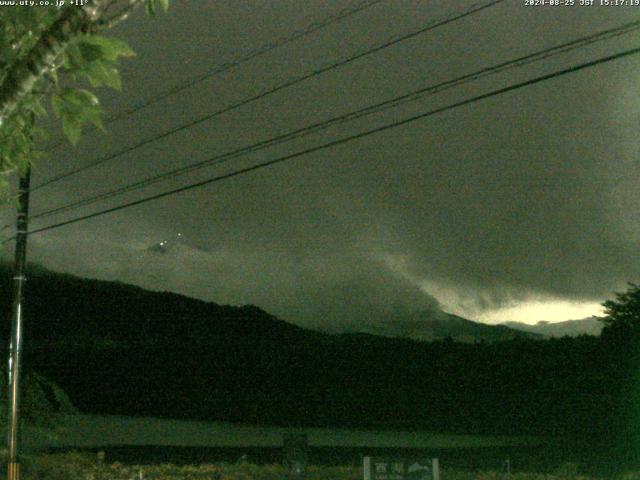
(15, 347)
(435, 469)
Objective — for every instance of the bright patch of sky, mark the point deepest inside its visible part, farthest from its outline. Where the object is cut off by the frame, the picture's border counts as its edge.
(536, 311)
(511, 306)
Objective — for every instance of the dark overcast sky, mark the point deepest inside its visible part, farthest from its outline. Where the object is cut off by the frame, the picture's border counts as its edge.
(528, 198)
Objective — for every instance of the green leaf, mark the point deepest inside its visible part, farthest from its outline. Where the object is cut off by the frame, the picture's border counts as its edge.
(76, 107)
(109, 48)
(72, 128)
(150, 7)
(73, 59)
(91, 52)
(21, 142)
(79, 99)
(4, 194)
(103, 73)
(36, 107)
(95, 57)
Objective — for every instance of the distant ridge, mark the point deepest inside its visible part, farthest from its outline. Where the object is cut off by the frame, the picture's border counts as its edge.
(64, 298)
(572, 328)
(430, 326)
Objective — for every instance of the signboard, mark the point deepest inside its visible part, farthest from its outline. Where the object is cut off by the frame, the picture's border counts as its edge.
(377, 468)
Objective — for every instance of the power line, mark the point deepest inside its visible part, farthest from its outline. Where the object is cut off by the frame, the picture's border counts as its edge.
(376, 108)
(289, 83)
(340, 141)
(314, 27)
(262, 50)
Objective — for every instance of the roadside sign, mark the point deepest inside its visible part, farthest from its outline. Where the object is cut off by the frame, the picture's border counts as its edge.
(378, 468)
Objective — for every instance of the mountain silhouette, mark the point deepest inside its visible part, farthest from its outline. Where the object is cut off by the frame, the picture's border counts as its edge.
(431, 325)
(120, 349)
(571, 328)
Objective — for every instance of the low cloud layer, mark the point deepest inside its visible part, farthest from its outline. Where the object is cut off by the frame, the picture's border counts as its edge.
(531, 195)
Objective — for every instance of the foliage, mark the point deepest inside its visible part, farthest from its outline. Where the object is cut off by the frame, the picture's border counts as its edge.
(152, 6)
(621, 336)
(19, 32)
(623, 313)
(41, 401)
(82, 466)
(88, 61)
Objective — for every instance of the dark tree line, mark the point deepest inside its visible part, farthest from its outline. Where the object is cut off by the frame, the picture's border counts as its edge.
(117, 349)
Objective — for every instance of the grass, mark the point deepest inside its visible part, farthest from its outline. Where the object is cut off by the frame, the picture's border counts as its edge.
(94, 431)
(80, 466)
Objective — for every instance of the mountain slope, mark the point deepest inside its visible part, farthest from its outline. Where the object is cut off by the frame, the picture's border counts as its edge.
(118, 349)
(81, 312)
(572, 328)
(428, 326)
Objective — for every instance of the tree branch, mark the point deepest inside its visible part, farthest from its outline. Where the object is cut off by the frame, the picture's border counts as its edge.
(23, 74)
(122, 15)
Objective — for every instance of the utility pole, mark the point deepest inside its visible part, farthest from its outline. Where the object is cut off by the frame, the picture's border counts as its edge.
(15, 347)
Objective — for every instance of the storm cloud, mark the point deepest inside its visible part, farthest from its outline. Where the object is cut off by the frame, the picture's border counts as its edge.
(530, 194)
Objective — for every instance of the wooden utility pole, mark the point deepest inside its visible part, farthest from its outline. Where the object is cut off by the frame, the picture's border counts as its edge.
(15, 347)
